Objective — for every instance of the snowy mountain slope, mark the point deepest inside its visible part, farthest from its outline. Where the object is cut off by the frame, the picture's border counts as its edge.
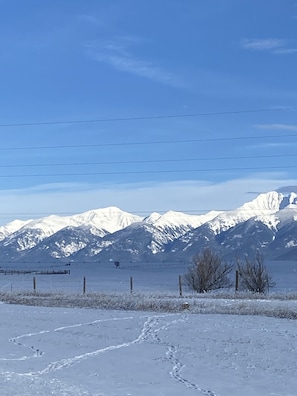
(102, 222)
(175, 224)
(109, 219)
(194, 242)
(12, 227)
(61, 246)
(262, 206)
(246, 239)
(268, 223)
(284, 245)
(146, 239)
(262, 224)
(140, 241)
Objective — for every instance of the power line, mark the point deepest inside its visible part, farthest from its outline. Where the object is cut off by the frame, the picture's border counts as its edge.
(217, 139)
(150, 171)
(151, 117)
(150, 161)
(143, 214)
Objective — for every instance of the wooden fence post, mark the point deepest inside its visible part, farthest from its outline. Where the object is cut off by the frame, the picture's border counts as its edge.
(84, 285)
(180, 286)
(131, 284)
(236, 280)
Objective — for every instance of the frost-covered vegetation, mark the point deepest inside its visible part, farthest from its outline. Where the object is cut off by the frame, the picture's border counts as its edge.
(208, 272)
(273, 305)
(254, 275)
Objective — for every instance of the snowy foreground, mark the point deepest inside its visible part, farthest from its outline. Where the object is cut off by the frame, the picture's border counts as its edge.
(110, 342)
(78, 351)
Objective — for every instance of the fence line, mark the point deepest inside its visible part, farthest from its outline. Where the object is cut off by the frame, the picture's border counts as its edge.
(119, 281)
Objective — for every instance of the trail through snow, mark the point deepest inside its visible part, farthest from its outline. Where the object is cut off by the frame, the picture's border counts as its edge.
(151, 328)
(73, 352)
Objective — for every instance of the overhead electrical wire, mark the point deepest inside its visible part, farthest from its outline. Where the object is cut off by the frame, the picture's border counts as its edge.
(198, 212)
(149, 142)
(149, 161)
(151, 117)
(154, 117)
(143, 214)
(149, 171)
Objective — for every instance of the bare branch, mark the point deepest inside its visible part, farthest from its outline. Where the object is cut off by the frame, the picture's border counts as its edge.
(208, 272)
(254, 275)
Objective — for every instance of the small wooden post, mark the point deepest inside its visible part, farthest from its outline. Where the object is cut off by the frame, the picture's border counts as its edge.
(236, 280)
(131, 284)
(84, 285)
(34, 284)
(180, 286)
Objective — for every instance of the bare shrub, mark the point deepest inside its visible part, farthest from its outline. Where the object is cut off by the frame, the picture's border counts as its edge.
(208, 272)
(254, 275)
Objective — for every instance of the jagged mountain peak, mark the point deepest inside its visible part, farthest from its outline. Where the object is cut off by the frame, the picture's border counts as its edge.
(263, 206)
(110, 218)
(173, 218)
(152, 218)
(107, 211)
(110, 230)
(270, 201)
(101, 222)
(49, 224)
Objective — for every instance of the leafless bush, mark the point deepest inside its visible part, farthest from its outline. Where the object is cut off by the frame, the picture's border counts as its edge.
(208, 272)
(254, 275)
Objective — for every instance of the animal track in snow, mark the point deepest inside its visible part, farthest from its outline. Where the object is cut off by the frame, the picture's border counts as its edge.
(176, 372)
(177, 368)
(68, 362)
(151, 329)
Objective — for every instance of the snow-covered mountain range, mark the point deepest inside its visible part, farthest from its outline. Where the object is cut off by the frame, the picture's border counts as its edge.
(268, 223)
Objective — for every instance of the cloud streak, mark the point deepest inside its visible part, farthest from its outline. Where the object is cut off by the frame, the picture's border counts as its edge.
(118, 55)
(278, 127)
(272, 45)
(193, 196)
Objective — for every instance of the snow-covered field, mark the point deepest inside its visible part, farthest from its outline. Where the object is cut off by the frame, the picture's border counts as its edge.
(58, 351)
(151, 277)
(220, 346)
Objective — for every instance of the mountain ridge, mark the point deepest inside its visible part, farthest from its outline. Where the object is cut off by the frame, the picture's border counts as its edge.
(266, 223)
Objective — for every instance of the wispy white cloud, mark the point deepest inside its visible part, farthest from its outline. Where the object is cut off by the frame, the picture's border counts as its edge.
(279, 127)
(194, 196)
(266, 44)
(118, 54)
(273, 45)
(285, 51)
(276, 127)
(272, 145)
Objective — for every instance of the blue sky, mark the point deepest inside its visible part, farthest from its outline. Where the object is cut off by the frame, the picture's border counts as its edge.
(145, 105)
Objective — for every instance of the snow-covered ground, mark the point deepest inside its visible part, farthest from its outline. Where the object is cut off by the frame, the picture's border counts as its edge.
(156, 349)
(58, 351)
